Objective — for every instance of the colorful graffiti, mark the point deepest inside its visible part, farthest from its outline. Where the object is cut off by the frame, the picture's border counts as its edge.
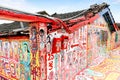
(54, 56)
(42, 51)
(12, 61)
(34, 51)
(68, 55)
(38, 35)
(25, 62)
(98, 49)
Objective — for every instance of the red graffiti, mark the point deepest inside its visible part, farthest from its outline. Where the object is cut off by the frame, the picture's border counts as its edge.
(34, 73)
(51, 65)
(50, 59)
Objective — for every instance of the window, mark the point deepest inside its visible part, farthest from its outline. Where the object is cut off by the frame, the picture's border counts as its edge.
(109, 21)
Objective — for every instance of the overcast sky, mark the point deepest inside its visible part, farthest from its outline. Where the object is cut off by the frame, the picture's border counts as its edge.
(59, 6)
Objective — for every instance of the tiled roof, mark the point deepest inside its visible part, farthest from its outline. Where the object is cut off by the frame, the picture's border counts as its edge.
(13, 28)
(71, 15)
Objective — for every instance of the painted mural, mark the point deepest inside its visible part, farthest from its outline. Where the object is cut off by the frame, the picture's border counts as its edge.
(54, 56)
(42, 35)
(25, 62)
(100, 44)
(38, 36)
(14, 60)
(68, 54)
(34, 51)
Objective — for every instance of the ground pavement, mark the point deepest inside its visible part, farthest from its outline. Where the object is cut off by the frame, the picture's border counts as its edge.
(108, 69)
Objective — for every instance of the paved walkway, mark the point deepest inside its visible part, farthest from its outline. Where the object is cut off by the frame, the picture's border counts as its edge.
(109, 69)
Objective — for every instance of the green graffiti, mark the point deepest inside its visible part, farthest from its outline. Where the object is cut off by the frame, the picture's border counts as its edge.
(25, 60)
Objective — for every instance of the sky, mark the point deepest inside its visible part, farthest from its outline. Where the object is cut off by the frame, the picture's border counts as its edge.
(59, 6)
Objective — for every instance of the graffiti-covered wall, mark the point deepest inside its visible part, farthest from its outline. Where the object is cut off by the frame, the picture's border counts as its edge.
(15, 58)
(38, 35)
(115, 39)
(57, 55)
(98, 41)
(66, 54)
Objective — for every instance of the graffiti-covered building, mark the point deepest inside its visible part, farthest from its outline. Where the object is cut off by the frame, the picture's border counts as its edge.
(60, 46)
(90, 39)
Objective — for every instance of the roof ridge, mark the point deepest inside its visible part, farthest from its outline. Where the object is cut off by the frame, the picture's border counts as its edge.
(95, 8)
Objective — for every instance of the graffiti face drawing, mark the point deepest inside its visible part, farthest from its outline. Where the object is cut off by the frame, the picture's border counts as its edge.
(26, 59)
(26, 52)
(6, 67)
(14, 54)
(48, 46)
(6, 49)
(13, 72)
(42, 34)
(33, 38)
(33, 33)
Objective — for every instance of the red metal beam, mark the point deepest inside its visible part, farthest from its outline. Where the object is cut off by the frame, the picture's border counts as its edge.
(80, 24)
(63, 25)
(10, 15)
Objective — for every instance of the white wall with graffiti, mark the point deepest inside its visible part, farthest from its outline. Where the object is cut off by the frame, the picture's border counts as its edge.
(67, 54)
(99, 38)
(55, 55)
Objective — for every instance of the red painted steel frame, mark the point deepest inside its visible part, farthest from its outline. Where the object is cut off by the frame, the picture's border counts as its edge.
(10, 15)
(80, 24)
